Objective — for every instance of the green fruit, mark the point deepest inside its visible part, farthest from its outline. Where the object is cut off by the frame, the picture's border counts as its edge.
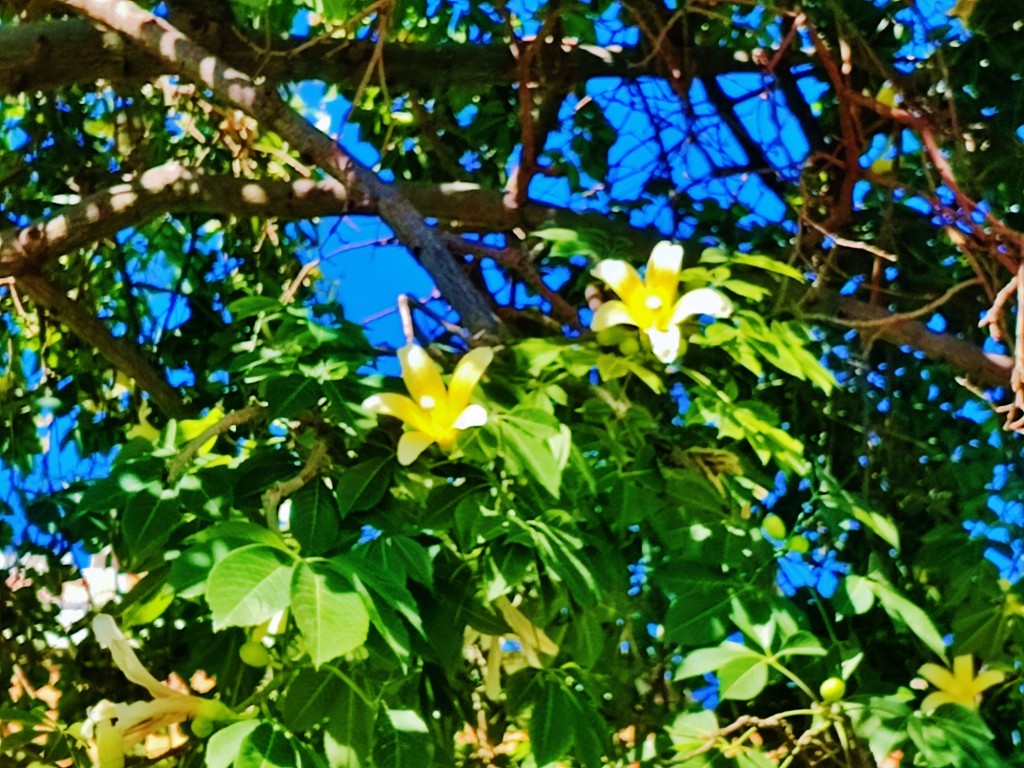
(629, 346)
(774, 527)
(254, 654)
(202, 728)
(832, 689)
(609, 336)
(798, 544)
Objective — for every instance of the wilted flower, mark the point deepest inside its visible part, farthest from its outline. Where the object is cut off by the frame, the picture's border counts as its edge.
(116, 727)
(959, 686)
(433, 413)
(650, 303)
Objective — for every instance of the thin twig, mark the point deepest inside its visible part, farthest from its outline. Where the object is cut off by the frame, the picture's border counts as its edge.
(845, 243)
(404, 312)
(180, 462)
(278, 491)
(992, 317)
(931, 306)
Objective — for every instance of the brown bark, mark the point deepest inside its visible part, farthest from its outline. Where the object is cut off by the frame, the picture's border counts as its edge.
(44, 55)
(982, 368)
(173, 188)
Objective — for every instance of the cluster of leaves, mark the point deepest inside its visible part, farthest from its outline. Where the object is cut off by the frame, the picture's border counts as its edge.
(392, 611)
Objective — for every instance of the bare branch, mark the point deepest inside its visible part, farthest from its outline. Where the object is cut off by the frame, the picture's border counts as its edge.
(180, 462)
(119, 352)
(281, 490)
(41, 56)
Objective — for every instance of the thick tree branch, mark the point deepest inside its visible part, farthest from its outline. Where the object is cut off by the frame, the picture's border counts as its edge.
(119, 352)
(173, 188)
(41, 56)
(262, 101)
(979, 366)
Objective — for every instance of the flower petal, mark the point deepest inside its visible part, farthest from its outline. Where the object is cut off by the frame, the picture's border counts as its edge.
(411, 445)
(109, 745)
(934, 700)
(422, 377)
(987, 679)
(612, 313)
(109, 635)
(938, 676)
(467, 374)
(702, 301)
(399, 406)
(471, 416)
(621, 278)
(963, 670)
(662, 277)
(665, 344)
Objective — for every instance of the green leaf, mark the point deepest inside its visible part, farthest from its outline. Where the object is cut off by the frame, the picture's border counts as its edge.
(742, 679)
(362, 486)
(858, 592)
(981, 628)
(908, 614)
(249, 306)
(704, 660)
(308, 698)
(350, 728)
(266, 747)
(954, 736)
(148, 523)
(803, 643)
(331, 617)
(698, 615)
(691, 731)
(222, 748)
(536, 443)
(248, 586)
(401, 740)
(314, 518)
(239, 530)
(551, 730)
(287, 396)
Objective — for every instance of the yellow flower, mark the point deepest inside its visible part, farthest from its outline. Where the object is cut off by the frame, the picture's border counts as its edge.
(650, 302)
(434, 413)
(959, 686)
(116, 727)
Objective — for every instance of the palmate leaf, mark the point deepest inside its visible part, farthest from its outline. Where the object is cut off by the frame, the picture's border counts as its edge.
(147, 524)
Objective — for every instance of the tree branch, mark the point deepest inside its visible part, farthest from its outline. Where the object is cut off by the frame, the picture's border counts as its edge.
(180, 463)
(41, 56)
(979, 366)
(173, 188)
(262, 101)
(119, 352)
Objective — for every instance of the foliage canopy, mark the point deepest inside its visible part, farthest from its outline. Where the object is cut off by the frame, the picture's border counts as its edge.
(752, 504)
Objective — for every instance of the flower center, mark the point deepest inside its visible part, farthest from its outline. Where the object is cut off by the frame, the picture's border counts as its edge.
(653, 303)
(427, 402)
